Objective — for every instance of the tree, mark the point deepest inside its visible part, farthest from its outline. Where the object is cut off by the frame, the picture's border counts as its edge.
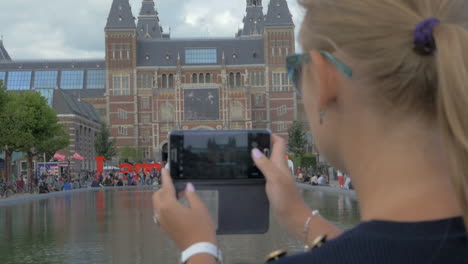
(41, 123)
(12, 133)
(103, 145)
(130, 154)
(297, 138)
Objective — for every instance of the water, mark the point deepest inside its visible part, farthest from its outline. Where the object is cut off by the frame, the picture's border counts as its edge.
(115, 226)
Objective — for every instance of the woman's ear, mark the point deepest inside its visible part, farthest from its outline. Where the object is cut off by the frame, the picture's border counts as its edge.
(327, 80)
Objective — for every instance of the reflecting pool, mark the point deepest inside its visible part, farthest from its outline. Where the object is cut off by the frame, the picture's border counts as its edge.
(115, 226)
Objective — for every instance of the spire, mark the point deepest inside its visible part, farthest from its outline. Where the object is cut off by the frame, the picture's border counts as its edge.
(148, 22)
(4, 56)
(120, 16)
(254, 19)
(279, 14)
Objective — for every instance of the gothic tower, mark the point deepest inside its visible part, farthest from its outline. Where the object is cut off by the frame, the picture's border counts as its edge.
(121, 36)
(279, 42)
(148, 22)
(254, 19)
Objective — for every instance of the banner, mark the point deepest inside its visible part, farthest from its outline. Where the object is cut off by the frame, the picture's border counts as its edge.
(59, 156)
(78, 156)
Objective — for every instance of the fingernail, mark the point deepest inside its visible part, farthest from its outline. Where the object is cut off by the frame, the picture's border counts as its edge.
(190, 187)
(257, 154)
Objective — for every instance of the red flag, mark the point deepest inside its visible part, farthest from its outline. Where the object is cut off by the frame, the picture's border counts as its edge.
(59, 156)
(78, 156)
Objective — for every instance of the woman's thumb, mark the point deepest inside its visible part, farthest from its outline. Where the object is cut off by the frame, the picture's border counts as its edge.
(263, 163)
(193, 199)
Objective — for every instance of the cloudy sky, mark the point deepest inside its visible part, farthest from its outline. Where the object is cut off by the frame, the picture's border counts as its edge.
(54, 29)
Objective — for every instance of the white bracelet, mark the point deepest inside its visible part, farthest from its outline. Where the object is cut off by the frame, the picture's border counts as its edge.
(200, 248)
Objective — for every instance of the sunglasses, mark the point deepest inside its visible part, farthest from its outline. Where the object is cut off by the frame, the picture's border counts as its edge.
(295, 63)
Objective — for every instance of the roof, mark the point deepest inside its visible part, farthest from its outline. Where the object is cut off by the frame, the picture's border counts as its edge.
(254, 21)
(120, 16)
(4, 56)
(70, 64)
(148, 22)
(67, 104)
(165, 52)
(87, 93)
(278, 14)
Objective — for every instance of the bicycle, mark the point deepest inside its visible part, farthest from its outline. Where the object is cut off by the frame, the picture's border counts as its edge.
(7, 190)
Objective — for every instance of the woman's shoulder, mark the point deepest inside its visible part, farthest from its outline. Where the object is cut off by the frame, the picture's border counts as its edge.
(443, 241)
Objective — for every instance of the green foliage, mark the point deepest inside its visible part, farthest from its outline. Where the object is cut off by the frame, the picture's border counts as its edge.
(103, 145)
(131, 154)
(297, 138)
(305, 161)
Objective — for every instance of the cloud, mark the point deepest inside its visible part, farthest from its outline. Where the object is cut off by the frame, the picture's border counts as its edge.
(56, 29)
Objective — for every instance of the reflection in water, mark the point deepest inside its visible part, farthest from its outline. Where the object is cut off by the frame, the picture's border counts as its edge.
(115, 226)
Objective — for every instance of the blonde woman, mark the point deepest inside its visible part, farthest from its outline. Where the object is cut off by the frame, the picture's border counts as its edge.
(385, 88)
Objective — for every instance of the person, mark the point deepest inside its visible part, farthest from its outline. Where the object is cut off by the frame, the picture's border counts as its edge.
(300, 177)
(67, 186)
(322, 180)
(340, 179)
(314, 180)
(43, 188)
(385, 90)
(347, 184)
(120, 182)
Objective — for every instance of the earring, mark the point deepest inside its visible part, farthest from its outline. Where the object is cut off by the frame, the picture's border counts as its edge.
(322, 116)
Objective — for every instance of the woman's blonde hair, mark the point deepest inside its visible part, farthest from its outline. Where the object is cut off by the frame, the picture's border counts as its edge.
(378, 34)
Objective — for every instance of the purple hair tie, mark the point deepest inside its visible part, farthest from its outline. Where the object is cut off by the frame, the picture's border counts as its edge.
(424, 42)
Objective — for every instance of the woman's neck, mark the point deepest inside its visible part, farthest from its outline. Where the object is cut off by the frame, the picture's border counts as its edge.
(403, 178)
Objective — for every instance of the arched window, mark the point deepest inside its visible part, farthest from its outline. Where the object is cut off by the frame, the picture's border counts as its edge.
(202, 78)
(238, 79)
(208, 78)
(164, 81)
(171, 80)
(194, 78)
(231, 79)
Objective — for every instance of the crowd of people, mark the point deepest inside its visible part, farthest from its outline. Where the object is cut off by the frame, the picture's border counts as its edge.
(47, 183)
(322, 178)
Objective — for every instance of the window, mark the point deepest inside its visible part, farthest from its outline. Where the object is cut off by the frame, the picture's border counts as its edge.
(231, 79)
(282, 110)
(47, 93)
(72, 80)
(287, 47)
(145, 103)
(258, 100)
(3, 77)
(257, 78)
(164, 81)
(145, 80)
(171, 81)
(208, 78)
(146, 135)
(121, 85)
(281, 82)
(123, 131)
(201, 78)
(259, 116)
(122, 114)
(45, 79)
(96, 79)
(200, 56)
(273, 46)
(19, 80)
(282, 127)
(147, 153)
(238, 79)
(120, 51)
(194, 78)
(146, 119)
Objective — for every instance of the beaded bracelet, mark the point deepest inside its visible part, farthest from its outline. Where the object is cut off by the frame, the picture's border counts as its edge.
(306, 229)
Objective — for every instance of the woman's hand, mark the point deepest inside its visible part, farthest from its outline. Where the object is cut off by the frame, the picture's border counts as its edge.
(283, 193)
(285, 197)
(185, 226)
